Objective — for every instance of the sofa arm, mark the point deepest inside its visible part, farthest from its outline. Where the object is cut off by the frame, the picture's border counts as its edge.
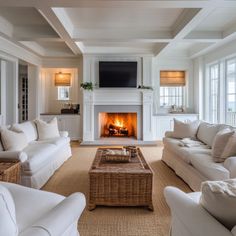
(18, 155)
(193, 217)
(233, 231)
(35, 231)
(64, 134)
(63, 215)
(169, 134)
(230, 165)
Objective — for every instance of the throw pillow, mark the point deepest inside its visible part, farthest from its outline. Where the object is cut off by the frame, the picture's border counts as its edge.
(207, 132)
(219, 199)
(219, 143)
(13, 141)
(8, 224)
(185, 129)
(230, 148)
(47, 130)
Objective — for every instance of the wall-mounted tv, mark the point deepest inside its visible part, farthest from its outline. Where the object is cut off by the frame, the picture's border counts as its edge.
(117, 74)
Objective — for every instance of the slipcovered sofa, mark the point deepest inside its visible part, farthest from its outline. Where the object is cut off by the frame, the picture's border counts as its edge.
(39, 159)
(195, 164)
(31, 212)
(189, 218)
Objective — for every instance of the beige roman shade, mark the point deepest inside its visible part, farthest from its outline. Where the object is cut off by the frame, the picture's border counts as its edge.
(62, 79)
(172, 78)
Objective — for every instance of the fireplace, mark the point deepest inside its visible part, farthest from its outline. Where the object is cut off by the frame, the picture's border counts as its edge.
(122, 124)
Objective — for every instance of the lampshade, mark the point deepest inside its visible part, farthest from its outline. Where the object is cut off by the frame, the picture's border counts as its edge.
(172, 78)
(62, 79)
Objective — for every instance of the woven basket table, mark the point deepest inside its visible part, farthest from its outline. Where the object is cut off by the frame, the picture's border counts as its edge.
(10, 171)
(120, 184)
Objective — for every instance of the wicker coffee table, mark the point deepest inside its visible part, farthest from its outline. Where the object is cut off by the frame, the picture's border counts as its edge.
(120, 184)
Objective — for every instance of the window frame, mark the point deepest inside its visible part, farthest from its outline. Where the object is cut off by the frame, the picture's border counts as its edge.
(59, 98)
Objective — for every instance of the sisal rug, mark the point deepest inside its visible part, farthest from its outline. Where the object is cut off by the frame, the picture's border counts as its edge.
(117, 221)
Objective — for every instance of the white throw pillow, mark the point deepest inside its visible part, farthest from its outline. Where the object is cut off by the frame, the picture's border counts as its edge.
(230, 148)
(8, 224)
(185, 129)
(207, 132)
(13, 141)
(47, 130)
(219, 199)
(219, 144)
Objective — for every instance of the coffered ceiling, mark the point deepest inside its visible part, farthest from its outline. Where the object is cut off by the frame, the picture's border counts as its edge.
(68, 28)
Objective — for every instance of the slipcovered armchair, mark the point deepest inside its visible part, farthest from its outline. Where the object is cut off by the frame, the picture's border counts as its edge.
(26, 212)
(189, 218)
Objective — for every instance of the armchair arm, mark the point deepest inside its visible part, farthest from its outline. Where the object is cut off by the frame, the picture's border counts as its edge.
(192, 215)
(169, 134)
(18, 155)
(64, 134)
(230, 164)
(63, 215)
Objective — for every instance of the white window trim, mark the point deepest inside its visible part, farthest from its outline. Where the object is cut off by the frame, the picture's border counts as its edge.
(58, 93)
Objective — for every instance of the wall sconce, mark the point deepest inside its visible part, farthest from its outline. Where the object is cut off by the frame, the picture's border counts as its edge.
(62, 79)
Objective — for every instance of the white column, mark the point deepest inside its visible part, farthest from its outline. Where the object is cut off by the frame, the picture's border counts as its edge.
(88, 116)
(148, 115)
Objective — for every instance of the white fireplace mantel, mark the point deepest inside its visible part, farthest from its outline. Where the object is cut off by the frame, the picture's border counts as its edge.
(117, 97)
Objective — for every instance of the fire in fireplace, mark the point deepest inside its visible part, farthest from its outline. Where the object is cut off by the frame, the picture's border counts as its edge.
(118, 124)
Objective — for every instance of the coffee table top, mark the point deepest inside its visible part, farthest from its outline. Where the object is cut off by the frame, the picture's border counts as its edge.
(137, 164)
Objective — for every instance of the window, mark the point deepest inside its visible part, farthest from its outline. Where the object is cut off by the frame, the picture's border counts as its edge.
(63, 93)
(171, 96)
(231, 92)
(214, 92)
(172, 88)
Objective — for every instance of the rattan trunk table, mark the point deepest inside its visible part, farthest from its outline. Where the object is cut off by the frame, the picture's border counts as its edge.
(120, 184)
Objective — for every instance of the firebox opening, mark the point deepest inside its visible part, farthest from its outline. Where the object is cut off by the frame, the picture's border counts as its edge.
(118, 124)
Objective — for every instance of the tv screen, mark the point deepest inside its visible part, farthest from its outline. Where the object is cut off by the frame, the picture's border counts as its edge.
(117, 74)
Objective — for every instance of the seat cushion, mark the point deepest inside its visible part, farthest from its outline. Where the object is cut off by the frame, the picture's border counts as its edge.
(207, 132)
(39, 154)
(219, 199)
(29, 128)
(183, 152)
(60, 141)
(8, 224)
(31, 204)
(206, 166)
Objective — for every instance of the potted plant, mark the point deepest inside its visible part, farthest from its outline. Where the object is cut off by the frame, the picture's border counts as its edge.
(87, 86)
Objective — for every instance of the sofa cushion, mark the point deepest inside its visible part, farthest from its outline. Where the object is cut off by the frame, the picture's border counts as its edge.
(39, 154)
(31, 204)
(183, 152)
(219, 199)
(29, 128)
(207, 132)
(220, 141)
(60, 141)
(8, 224)
(13, 141)
(206, 166)
(185, 129)
(47, 130)
(230, 148)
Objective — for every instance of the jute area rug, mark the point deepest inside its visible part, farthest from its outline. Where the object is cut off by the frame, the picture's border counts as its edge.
(117, 221)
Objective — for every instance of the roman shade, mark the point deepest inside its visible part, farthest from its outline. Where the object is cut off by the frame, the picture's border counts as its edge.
(172, 78)
(62, 79)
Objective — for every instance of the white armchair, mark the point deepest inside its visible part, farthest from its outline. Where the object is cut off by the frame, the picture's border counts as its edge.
(39, 213)
(189, 218)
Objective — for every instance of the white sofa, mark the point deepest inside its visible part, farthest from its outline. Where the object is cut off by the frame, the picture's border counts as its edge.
(30, 212)
(40, 159)
(195, 165)
(189, 218)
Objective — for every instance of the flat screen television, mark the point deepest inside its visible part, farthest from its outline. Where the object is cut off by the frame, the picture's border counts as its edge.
(117, 74)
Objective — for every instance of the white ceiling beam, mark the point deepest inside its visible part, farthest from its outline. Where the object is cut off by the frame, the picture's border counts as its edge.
(198, 48)
(6, 27)
(186, 23)
(119, 3)
(204, 36)
(34, 47)
(229, 31)
(56, 24)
